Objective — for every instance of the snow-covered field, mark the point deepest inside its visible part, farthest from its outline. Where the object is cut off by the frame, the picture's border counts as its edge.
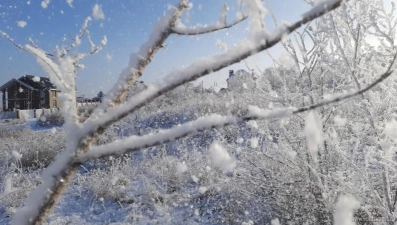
(183, 182)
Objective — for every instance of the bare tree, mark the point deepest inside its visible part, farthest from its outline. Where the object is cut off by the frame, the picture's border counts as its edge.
(81, 137)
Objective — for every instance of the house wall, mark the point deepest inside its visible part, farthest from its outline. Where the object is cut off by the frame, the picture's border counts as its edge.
(241, 81)
(4, 100)
(36, 100)
(19, 97)
(53, 99)
(28, 99)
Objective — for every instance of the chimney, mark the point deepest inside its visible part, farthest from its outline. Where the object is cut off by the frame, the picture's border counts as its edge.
(231, 72)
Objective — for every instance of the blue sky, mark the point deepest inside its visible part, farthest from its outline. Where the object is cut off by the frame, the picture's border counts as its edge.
(126, 24)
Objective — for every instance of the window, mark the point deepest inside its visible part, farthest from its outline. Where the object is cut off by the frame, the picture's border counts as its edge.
(54, 94)
(42, 94)
(42, 104)
(54, 104)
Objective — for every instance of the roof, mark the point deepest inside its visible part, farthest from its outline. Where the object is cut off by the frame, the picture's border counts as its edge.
(31, 82)
(241, 74)
(42, 84)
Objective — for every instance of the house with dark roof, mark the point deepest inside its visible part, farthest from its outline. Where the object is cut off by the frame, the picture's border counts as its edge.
(241, 80)
(29, 92)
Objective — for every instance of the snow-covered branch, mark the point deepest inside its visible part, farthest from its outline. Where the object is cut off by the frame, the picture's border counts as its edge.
(138, 61)
(94, 49)
(135, 143)
(49, 66)
(205, 29)
(77, 39)
(198, 29)
(6, 36)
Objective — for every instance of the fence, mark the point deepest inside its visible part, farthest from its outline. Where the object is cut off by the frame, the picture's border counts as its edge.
(86, 103)
(27, 114)
(8, 115)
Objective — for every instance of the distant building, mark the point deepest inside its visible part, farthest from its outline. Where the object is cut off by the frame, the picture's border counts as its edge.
(29, 92)
(241, 80)
(98, 97)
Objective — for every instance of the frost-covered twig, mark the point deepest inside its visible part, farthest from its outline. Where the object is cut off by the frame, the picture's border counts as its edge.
(135, 143)
(51, 67)
(6, 36)
(77, 40)
(205, 29)
(94, 49)
(344, 97)
(139, 61)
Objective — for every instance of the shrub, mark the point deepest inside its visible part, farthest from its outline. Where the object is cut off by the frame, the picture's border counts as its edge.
(85, 111)
(37, 149)
(55, 119)
(111, 182)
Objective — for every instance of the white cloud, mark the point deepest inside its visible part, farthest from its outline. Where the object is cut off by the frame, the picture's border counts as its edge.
(45, 3)
(22, 23)
(97, 12)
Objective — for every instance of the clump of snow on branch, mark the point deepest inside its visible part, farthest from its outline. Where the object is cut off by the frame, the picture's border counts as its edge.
(181, 168)
(22, 23)
(257, 12)
(254, 111)
(391, 130)
(202, 189)
(7, 187)
(275, 222)
(254, 142)
(97, 12)
(339, 121)
(221, 158)
(16, 155)
(344, 210)
(320, 6)
(195, 179)
(314, 133)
